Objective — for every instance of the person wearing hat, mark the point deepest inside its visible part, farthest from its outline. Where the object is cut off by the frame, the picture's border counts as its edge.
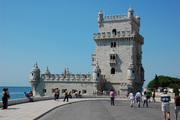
(165, 98)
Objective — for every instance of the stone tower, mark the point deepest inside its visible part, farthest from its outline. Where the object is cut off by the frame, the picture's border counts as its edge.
(119, 51)
(35, 77)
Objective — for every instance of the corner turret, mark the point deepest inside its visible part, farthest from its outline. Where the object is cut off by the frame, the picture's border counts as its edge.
(130, 12)
(34, 77)
(100, 16)
(97, 73)
(35, 73)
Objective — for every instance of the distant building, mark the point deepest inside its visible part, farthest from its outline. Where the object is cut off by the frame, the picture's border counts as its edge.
(117, 60)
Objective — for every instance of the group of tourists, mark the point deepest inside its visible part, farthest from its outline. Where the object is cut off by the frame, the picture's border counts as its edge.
(137, 97)
(67, 94)
(164, 98)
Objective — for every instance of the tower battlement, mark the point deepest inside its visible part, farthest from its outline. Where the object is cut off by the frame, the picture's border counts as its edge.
(115, 17)
(118, 17)
(64, 77)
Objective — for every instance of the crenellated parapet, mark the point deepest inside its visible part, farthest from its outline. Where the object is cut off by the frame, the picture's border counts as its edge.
(118, 17)
(115, 17)
(63, 77)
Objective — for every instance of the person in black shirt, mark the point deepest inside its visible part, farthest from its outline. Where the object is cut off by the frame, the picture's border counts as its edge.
(177, 105)
(5, 96)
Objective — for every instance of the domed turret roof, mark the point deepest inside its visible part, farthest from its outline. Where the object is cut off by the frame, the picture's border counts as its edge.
(35, 68)
(47, 72)
(130, 10)
(100, 12)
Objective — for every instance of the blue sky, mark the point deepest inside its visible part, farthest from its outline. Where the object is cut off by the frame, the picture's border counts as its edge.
(59, 34)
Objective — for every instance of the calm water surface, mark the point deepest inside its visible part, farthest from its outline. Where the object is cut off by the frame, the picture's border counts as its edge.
(15, 92)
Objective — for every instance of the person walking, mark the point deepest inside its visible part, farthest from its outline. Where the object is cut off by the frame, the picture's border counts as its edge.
(112, 96)
(177, 105)
(153, 96)
(138, 98)
(165, 98)
(5, 96)
(131, 97)
(66, 96)
(149, 94)
(145, 101)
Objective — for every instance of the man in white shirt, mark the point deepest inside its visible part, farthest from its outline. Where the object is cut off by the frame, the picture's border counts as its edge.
(138, 98)
(131, 97)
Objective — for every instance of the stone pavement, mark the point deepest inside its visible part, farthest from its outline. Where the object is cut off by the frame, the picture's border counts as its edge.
(32, 110)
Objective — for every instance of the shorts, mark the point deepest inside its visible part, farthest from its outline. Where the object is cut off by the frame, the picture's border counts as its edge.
(165, 107)
(176, 110)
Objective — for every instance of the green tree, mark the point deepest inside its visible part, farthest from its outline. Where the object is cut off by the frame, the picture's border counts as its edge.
(165, 81)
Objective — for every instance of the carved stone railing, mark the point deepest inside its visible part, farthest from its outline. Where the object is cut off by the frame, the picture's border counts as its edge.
(119, 34)
(62, 77)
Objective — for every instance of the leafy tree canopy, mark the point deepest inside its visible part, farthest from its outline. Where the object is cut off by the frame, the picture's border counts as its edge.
(165, 81)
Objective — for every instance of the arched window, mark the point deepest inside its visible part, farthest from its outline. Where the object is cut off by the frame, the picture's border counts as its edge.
(111, 57)
(98, 75)
(114, 44)
(112, 70)
(114, 57)
(114, 31)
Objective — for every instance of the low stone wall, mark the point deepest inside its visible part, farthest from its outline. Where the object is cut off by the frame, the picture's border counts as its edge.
(25, 100)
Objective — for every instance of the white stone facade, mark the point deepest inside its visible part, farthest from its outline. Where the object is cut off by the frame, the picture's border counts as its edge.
(47, 82)
(117, 60)
(119, 51)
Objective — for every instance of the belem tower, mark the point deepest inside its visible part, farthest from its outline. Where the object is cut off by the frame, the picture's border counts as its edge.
(117, 61)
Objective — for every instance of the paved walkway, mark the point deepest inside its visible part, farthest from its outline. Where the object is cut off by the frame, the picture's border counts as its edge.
(32, 110)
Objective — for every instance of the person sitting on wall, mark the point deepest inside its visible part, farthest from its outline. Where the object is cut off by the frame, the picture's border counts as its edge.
(78, 94)
(56, 94)
(28, 97)
(31, 95)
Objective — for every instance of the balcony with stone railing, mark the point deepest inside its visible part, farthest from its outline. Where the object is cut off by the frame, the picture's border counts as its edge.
(112, 62)
(107, 35)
